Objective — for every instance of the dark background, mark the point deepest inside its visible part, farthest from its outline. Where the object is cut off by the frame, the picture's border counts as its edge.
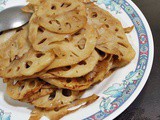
(147, 104)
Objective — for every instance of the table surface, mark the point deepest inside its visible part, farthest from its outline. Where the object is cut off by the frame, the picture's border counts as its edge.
(147, 104)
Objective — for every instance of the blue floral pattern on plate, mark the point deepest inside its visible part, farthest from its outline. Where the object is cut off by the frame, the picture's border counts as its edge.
(4, 116)
(2, 2)
(117, 94)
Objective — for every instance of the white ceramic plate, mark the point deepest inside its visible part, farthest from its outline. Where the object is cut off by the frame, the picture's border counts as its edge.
(116, 92)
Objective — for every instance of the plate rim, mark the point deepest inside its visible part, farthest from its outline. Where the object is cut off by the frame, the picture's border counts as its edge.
(145, 77)
(141, 85)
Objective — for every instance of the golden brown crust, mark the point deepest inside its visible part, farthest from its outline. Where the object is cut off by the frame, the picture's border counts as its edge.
(112, 38)
(57, 99)
(82, 83)
(42, 39)
(61, 16)
(45, 90)
(69, 53)
(66, 23)
(15, 46)
(32, 62)
(37, 113)
(23, 89)
(78, 70)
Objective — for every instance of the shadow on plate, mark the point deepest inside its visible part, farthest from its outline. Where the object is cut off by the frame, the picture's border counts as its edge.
(16, 103)
(2, 86)
(10, 101)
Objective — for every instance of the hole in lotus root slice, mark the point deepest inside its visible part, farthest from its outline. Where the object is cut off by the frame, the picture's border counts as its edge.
(79, 32)
(68, 52)
(53, 7)
(32, 84)
(38, 113)
(66, 92)
(41, 29)
(65, 5)
(55, 99)
(18, 68)
(1, 33)
(102, 54)
(116, 29)
(55, 22)
(42, 39)
(68, 80)
(82, 63)
(23, 89)
(39, 55)
(110, 43)
(115, 57)
(15, 44)
(107, 25)
(14, 82)
(66, 23)
(56, 7)
(81, 43)
(123, 44)
(78, 70)
(65, 68)
(30, 64)
(52, 95)
(94, 15)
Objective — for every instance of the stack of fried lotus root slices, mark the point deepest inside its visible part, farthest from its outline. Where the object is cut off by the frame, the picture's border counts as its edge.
(67, 47)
